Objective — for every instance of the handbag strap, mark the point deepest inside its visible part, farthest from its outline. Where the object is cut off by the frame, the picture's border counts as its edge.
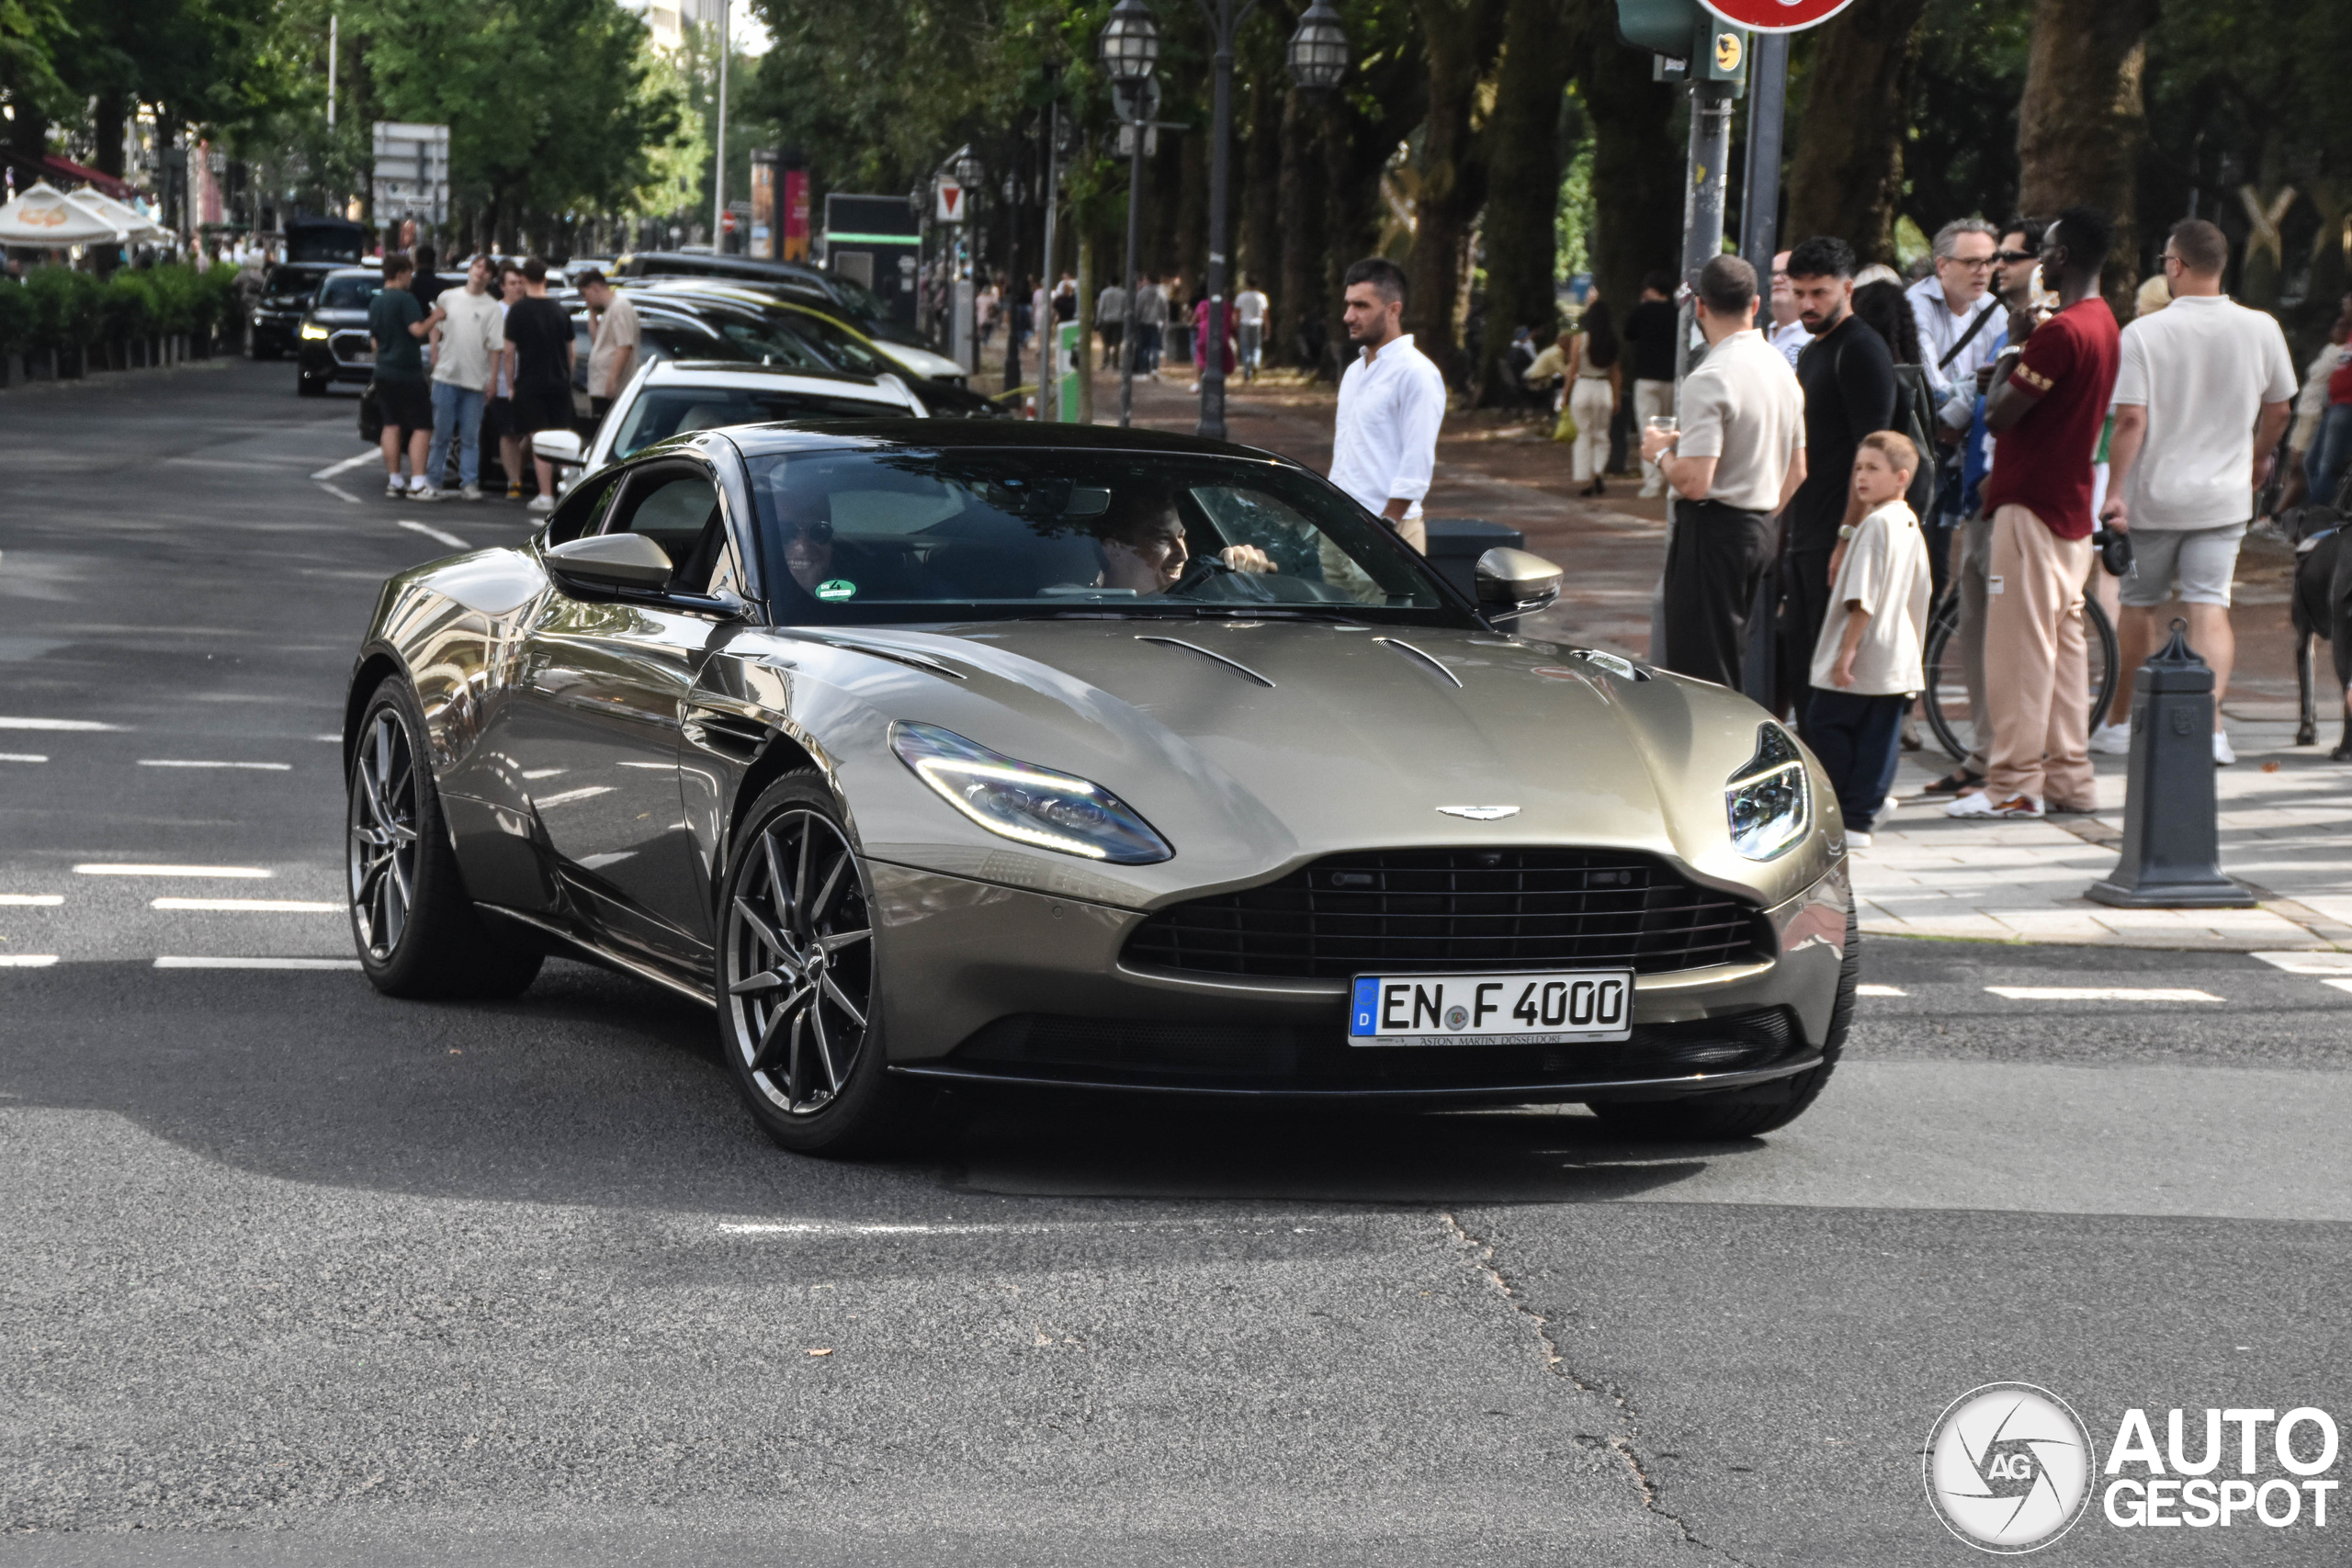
(1992, 307)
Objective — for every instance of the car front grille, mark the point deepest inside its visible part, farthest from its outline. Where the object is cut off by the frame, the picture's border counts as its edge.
(351, 348)
(1435, 911)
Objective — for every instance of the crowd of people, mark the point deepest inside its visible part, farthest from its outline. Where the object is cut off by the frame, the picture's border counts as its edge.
(491, 356)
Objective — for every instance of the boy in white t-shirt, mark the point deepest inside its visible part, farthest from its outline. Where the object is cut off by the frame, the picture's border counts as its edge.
(1867, 667)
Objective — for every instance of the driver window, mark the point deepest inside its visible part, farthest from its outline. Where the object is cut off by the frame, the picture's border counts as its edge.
(678, 509)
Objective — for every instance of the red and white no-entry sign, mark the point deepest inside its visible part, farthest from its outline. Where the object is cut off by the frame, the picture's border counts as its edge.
(1776, 15)
(950, 202)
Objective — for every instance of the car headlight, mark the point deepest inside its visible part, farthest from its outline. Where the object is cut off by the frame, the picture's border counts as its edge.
(1769, 800)
(315, 332)
(1035, 805)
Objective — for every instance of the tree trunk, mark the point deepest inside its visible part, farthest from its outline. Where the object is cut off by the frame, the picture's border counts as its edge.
(1847, 177)
(1523, 173)
(1637, 161)
(2082, 122)
(1452, 164)
(107, 112)
(1298, 292)
(1261, 171)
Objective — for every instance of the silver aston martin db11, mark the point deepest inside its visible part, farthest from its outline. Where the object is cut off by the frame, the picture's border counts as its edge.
(1041, 755)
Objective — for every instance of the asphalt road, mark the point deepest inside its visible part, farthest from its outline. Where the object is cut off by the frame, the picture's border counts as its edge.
(297, 1275)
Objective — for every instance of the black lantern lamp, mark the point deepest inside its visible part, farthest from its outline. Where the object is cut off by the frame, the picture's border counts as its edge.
(1130, 42)
(1318, 49)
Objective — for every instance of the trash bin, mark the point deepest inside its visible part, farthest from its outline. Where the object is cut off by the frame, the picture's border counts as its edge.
(1456, 543)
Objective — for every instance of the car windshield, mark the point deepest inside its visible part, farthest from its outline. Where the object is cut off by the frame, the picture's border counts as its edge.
(843, 347)
(860, 301)
(769, 344)
(349, 293)
(850, 537)
(688, 340)
(664, 411)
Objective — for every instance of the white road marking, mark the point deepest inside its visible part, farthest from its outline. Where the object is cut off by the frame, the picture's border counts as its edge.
(338, 489)
(335, 738)
(2339, 985)
(2308, 963)
(26, 960)
(182, 762)
(1880, 991)
(256, 964)
(32, 900)
(116, 868)
(437, 535)
(2101, 994)
(22, 757)
(257, 906)
(79, 724)
(346, 466)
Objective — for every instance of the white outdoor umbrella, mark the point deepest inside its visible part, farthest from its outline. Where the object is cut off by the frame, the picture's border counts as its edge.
(48, 217)
(128, 219)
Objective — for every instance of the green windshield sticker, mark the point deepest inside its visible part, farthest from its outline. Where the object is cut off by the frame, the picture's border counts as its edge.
(837, 588)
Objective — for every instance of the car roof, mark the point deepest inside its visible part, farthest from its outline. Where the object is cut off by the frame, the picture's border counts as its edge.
(735, 373)
(932, 436)
(741, 266)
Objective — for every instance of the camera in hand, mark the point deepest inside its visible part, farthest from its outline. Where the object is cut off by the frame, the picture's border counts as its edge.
(2114, 550)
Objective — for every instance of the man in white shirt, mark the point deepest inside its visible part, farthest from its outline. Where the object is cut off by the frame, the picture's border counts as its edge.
(612, 353)
(1736, 458)
(1392, 401)
(468, 343)
(1787, 333)
(1249, 313)
(2203, 390)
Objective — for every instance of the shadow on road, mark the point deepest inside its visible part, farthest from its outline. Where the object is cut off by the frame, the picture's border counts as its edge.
(598, 1090)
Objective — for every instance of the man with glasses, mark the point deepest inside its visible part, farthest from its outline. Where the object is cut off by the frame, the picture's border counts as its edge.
(1958, 317)
(2203, 391)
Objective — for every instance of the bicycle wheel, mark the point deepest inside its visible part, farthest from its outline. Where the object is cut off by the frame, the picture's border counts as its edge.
(1946, 698)
(2100, 656)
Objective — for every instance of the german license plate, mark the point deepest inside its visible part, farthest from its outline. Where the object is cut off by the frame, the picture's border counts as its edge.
(363, 356)
(1553, 1009)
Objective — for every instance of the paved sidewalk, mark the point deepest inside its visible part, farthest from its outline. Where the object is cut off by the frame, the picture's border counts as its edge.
(2285, 820)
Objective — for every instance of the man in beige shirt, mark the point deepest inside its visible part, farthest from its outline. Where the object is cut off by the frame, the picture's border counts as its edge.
(612, 353)
(1736, 459)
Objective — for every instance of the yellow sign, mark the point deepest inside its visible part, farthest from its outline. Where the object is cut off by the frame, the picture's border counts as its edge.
(1728, 49)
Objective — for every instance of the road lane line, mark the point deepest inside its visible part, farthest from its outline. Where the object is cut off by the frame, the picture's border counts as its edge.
(257, 906)
(1880, 991)
(77, 724)
(183, 762)
(430, 532)
(32, 900)
(339, 491)
(172, 962)
(2308, 963)
(2339, 985)
(2101, 994)
(22, 757)
(26, 960)
(347, 464)
(120, 868)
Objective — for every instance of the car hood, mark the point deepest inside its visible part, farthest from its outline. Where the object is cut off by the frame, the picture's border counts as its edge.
(1360, 739)
(922, 361)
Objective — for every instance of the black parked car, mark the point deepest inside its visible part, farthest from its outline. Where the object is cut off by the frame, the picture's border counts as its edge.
(840, 295)
(314, 247)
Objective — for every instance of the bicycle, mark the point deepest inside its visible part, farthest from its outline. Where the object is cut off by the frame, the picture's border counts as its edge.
(1946, 697)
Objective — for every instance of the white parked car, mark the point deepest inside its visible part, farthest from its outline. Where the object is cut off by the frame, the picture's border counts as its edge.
(667, 397)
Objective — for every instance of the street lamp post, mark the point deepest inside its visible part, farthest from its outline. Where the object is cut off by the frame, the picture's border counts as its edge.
(718, 172)
(1130, 49)
(1224, 20)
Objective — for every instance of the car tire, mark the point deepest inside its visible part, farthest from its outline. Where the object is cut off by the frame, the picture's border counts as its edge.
(798, 982)
(417, 932)
(1746, 1113)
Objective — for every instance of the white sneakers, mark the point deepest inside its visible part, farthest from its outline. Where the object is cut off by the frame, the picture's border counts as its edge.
(471, 493)
(396, 488)
(541, 503)
(424, 492)
(1857, 841)
(1980, 803)
(2222, 755)
(2113, 739)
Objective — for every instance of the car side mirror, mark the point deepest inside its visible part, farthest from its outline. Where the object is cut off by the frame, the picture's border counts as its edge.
(1512, 582)
(612, 562)
(560, 448)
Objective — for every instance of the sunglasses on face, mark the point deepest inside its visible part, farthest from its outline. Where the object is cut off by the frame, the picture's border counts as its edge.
(2012, 257)
(815, 532)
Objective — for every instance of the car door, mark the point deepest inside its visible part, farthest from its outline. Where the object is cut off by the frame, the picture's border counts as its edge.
(599, 702)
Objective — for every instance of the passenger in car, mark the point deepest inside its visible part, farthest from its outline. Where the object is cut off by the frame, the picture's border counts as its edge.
(830, 569)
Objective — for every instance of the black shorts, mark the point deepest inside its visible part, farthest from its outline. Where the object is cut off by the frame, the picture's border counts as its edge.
(542, 408)
(405, 405)
(497, 419)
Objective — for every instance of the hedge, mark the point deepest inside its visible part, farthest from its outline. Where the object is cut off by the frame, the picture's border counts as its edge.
(63, 308)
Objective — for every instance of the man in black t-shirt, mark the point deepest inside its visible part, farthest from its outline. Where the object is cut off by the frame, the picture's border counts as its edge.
(540, 330)
(1649, 333)
(1848, 375)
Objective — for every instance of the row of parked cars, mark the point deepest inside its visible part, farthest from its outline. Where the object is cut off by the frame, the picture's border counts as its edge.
(723, 342)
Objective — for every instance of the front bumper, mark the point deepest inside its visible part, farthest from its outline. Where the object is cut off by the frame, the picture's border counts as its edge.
(1015, 986)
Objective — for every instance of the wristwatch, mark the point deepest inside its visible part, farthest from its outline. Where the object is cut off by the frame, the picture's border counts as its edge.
(1847, 530)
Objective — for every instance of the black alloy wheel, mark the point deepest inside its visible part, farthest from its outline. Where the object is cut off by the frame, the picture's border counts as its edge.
(798, 981)
(417, 932)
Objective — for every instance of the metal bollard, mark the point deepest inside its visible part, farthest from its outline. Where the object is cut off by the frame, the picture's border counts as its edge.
(2171, 846)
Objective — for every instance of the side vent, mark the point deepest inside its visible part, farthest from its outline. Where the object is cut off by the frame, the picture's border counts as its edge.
(731, 735)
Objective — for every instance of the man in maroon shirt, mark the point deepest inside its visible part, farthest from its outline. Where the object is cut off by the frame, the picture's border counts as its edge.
(2048, 404)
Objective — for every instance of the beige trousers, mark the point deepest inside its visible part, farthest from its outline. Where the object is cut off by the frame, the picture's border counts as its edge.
(1593, 404)
(2037, 695)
